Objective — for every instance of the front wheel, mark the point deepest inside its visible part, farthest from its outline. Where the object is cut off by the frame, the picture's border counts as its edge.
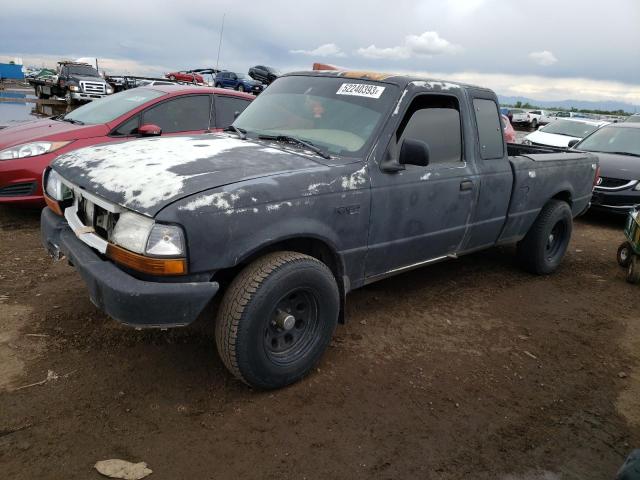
(241, 88)
(624, 254)
(68, 98)
(544, 245)
(172, 78)
(534, 124)
(277, 318)
(633, 272)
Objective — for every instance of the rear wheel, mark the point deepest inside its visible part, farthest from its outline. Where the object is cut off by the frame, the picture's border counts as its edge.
(172, 78)
(633, 272)
(544, 245)
(624, 254)
(277, 319)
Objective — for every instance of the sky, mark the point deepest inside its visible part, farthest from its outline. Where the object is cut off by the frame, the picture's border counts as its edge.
(542, 49)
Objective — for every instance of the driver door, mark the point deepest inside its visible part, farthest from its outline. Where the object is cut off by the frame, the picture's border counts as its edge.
(420, 214)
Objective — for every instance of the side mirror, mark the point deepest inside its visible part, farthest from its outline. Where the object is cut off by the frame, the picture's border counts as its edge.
(573, 143)
(149, 130)
(414, 152)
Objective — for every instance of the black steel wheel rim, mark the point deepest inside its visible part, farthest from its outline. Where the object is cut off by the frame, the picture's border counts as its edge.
(555, 240)
(286, 340)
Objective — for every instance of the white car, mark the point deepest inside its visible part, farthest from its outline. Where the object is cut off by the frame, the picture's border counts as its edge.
(539, 118)
(562, 131)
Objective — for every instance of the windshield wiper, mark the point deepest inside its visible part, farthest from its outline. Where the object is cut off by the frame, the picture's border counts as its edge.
(241, 132)
(297, 141)
(71, 120)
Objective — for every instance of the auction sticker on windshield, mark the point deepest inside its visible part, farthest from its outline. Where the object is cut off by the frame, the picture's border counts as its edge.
(360, 90)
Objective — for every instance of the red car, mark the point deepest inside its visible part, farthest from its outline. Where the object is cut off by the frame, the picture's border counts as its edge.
(185, 76)
(27, 149)
(507, 129)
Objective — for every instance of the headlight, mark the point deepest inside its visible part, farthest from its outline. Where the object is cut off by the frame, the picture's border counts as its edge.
(32, 149)
(74, 88)
(109, 90)
(55, 188)
(142, 235)
(637, 187)
(132, 231)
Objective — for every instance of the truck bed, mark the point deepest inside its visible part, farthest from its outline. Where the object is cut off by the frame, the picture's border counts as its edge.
(516, 149)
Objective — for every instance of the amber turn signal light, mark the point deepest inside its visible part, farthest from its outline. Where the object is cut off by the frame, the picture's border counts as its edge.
(53, 205)
(152, 266)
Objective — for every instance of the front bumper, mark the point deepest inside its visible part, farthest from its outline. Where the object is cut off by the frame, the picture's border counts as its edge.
(620, 202)
(81, 96)
(134, 302)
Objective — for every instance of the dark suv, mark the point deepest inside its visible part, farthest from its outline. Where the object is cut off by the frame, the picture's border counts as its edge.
(238, 81)
(264, 74)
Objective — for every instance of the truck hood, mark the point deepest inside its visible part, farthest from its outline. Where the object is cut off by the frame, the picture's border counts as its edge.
(623, 167)
(550, 139)
(147, 175)
(47, 130)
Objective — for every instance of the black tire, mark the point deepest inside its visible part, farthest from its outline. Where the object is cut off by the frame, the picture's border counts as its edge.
(252, 341)
(624, 255)
(241, 88)
(217, 85)
(68, 98)
(544, 245)
(534, 124)
(633, 272)
(172, 78)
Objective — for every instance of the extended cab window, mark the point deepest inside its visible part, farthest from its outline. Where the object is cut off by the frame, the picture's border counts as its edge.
(435, 120)
(489, 129)
(181, 114)
(226, 108)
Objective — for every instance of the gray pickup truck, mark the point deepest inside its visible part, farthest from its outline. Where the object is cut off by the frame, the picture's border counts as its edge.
(328, 181)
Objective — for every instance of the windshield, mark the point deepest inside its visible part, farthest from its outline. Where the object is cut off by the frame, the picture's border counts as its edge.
(338, 115)
(613, 139)
(570, 128)
(84, 71)
(111, 107)
(241, 76)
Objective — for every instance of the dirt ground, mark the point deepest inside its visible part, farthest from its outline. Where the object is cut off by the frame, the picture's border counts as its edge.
(466, 369)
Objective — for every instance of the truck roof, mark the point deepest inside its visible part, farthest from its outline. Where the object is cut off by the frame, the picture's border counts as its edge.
(399, 79)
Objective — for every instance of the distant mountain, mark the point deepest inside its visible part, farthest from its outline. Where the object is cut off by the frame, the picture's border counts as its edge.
(568, 104)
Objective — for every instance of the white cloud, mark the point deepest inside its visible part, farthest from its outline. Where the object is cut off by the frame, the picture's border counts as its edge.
(326, 50)
(425, 45)
(544, 58)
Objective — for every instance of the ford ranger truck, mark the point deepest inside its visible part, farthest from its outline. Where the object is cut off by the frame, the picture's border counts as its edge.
(327, 182)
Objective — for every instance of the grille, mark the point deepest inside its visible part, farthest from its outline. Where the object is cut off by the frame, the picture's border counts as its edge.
(97, 217)
(612, 182)
(18, 190)
(93, 87)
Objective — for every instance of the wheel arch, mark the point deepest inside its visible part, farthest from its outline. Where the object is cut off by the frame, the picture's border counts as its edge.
(313, 245)
(565, 196)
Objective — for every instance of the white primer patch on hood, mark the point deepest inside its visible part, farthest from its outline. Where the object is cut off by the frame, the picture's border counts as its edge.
(139, 169)
(219, 200)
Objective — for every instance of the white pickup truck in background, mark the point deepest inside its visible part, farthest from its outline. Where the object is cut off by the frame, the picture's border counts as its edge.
(539, 118)
(530, 118)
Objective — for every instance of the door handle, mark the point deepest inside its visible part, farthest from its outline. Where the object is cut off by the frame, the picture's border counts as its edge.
(466, 185)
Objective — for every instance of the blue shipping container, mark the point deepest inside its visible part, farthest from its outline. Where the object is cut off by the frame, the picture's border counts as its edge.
(9, 70)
